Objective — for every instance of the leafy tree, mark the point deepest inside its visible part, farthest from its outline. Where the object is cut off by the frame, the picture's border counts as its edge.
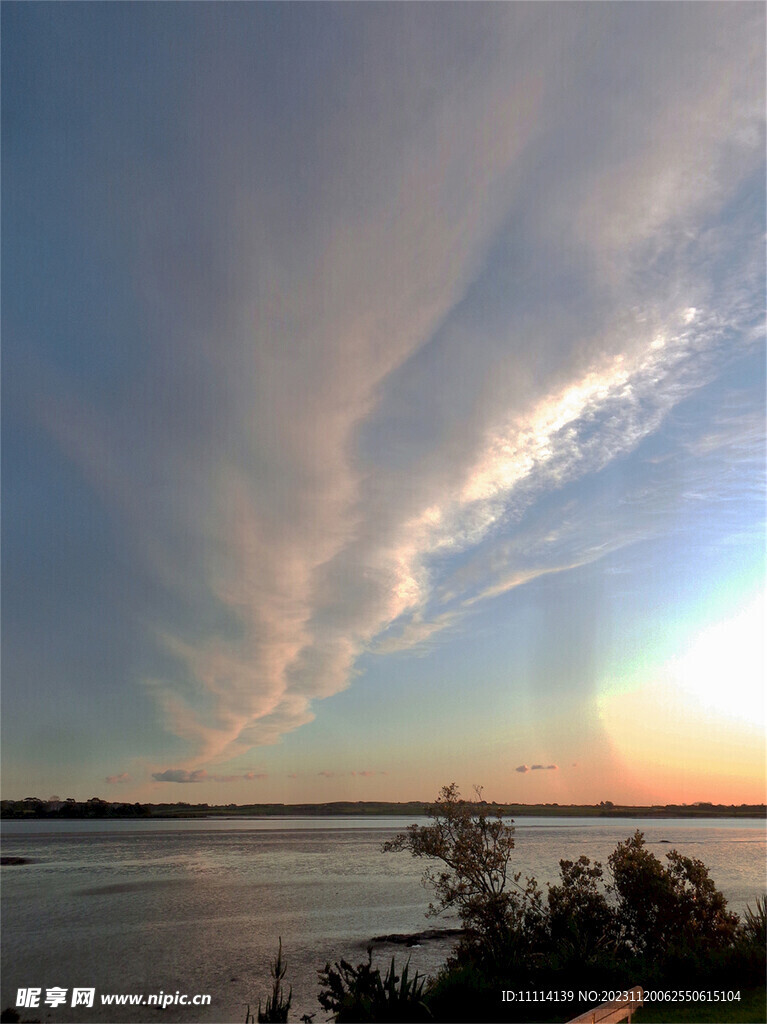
(473, 845)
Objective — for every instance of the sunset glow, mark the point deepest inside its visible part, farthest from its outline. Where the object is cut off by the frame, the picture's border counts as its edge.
(723, 670)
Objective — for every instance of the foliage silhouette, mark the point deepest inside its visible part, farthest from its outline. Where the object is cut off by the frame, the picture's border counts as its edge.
(359, 994)
(474, 845)
(662, 908)
(754, 925)
(644, 921)
(277, 1007)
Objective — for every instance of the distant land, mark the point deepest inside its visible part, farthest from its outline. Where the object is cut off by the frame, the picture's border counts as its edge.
(33, 807)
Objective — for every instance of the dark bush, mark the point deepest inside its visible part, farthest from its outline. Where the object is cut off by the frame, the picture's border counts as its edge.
(583, 927)
(663, 908)
(359, 994)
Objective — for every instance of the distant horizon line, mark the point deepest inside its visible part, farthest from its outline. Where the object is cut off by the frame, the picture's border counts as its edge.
(603, 808)
(323, 803)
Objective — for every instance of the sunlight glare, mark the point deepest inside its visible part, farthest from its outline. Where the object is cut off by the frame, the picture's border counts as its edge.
(724, 666)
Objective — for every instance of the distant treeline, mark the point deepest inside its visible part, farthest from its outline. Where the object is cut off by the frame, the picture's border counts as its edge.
(415, 808)
(33, 807)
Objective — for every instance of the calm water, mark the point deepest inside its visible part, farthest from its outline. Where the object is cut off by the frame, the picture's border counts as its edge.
(197, 906)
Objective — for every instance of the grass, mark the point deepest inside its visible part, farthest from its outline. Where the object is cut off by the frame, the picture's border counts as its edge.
(752, 1009)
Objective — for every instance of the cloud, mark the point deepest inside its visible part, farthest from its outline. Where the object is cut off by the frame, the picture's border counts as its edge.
(544, 768)
(294, 483)
(200, 775)
(522, 768)
(326, 774)
(180, 775)
(118, 779)
(415, 633)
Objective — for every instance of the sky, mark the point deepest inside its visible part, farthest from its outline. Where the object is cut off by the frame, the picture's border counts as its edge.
(383, 401)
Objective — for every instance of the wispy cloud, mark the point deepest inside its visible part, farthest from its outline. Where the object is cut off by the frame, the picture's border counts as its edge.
(251, 459)
(112, 780)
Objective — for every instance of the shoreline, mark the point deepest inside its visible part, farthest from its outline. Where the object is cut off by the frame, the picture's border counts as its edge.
(36, 810)
(409, 811)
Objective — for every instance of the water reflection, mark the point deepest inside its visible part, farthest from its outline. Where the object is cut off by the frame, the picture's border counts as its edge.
(199, 906)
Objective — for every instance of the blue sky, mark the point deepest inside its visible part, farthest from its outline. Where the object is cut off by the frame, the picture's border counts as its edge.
(383, 401)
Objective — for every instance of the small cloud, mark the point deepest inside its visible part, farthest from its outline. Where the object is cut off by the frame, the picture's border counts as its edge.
(574, 764)
(200, 775)
(326, 775)
(114, 780)
(522, 768)
(544, 768)
(292, 775)
(180, 775)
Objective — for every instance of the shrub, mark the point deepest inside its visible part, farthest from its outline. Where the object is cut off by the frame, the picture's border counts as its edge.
(359, 994)
(582, 925)
(463, 991)
(661, 908)
(754, 925)
(748, 962)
